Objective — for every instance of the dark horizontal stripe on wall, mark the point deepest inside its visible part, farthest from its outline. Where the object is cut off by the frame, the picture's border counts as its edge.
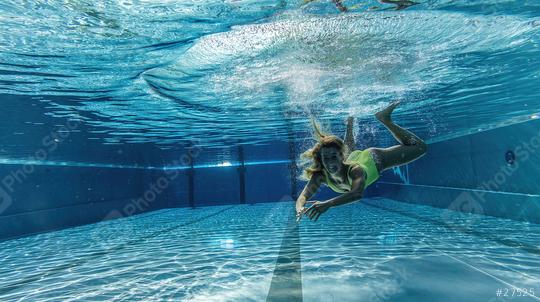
(66, 206)
(139, 215)
(457, 188)
(24, 224)
(510, 205)
(486, 236)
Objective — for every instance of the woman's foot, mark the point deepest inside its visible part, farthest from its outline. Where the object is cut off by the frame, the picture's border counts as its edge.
(384, 115)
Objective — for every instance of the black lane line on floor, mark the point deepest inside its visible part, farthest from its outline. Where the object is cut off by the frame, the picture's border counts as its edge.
(507, 242)
(286, 285)
(8, 288)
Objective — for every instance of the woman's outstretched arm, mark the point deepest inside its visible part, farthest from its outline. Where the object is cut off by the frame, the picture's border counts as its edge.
(349, 136)
(309, 190)
(357, 189)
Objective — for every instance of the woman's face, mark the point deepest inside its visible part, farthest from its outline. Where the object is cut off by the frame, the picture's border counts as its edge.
(332, 159)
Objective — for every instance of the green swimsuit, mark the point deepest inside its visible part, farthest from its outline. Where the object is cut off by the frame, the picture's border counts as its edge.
(362, 158)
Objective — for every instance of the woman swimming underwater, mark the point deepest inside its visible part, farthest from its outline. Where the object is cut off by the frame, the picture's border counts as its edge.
(359, 170)
(399, 4)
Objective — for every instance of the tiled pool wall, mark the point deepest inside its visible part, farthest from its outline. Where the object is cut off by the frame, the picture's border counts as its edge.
(493, 172)
(37, 197)
(473, 173)
(43, 196)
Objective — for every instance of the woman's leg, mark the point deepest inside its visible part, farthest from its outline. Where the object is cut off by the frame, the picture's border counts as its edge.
(349, 136)
(339, 5)
(411, 146)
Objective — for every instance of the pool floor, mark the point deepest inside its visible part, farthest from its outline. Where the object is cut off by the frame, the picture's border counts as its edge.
(374, 250)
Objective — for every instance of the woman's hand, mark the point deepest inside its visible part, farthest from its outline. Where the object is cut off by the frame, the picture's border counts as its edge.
(316, 209)
(300, 208)
(300, 205)
(300, 213)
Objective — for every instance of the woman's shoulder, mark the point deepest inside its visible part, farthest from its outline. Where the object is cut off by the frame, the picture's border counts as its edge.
(355, 153)
(355, 170)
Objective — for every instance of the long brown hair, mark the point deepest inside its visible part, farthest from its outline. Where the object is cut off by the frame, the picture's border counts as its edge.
(313, 155)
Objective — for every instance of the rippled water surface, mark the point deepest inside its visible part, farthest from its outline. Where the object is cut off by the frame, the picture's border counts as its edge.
(252, 71)
(375, 250)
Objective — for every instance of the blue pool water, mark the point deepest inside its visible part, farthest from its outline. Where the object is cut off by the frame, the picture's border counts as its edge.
(150, 150)
(375, 250)
(142, 72)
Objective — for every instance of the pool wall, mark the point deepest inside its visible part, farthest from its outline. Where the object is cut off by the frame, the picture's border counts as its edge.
(222, 185)
(54, 197)
(468, 173)
(475, 174)
(37, 197)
